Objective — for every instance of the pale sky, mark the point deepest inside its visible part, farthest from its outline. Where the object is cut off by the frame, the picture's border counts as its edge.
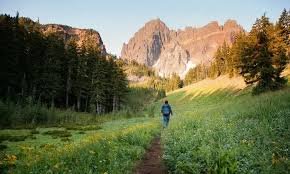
(118, 20)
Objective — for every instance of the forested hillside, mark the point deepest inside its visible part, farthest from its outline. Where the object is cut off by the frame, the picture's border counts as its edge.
(48, 69)
(260, 56)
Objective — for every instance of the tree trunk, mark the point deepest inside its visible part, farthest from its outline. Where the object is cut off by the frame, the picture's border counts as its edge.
(23, 84)
(86, 107)
(68, 87)
(52, 102)
(8, 91)
(79, 101)
(118, 104)
(114, 103)
(98, 108)
(66, 100)
(33, 93)
(39, 98)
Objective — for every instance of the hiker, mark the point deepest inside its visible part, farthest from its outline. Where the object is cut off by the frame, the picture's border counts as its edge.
(166, 112)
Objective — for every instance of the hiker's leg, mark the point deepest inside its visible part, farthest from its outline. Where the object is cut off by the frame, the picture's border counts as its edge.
(164, 121)
(167, 121)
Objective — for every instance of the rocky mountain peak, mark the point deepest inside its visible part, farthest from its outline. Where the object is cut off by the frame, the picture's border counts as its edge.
(155, 24)
(170, 51)
(213, 26)
(147, 44)
(80, 35)
(231, 25)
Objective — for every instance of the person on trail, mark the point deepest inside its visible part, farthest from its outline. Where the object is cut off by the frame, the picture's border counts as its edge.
(166, 112)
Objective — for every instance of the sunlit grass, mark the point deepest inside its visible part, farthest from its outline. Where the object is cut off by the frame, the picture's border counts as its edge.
(218, 128)
(112, 149)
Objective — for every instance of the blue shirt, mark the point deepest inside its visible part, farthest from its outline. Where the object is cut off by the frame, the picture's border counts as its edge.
(166, 110)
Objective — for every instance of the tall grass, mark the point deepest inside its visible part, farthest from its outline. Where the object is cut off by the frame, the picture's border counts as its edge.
(31, 115)
(228, 131)
(139, 98)
(112, 150)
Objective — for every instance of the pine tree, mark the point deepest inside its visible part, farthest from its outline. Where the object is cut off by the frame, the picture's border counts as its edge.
(119, 83)
(71, 60)
(174, 82)
(190, 77)
(284, 26)
(257, 62)
(50, 78)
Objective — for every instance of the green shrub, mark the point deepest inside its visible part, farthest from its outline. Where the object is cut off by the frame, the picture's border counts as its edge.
(58, 133)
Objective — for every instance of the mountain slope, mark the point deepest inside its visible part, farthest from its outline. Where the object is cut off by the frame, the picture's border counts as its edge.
(170, 51)
(219, 127)
(81, 35)
(68, 32)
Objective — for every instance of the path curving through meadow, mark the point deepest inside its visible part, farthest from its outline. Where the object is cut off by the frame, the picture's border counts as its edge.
(152, 162)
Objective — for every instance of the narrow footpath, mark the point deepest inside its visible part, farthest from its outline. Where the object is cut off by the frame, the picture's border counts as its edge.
(152, 161)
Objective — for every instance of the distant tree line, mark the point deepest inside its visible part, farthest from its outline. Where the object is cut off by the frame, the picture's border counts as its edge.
(134, 68)
(153, 80)
(47, 69)
(164, 84)
(259, 56)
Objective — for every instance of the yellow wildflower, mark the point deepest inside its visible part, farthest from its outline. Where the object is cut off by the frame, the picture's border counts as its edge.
(11, 159)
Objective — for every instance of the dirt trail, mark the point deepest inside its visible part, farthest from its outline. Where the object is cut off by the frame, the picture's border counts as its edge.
(152, 161)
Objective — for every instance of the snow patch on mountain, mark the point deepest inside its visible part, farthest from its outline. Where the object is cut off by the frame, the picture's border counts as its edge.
(188, 65)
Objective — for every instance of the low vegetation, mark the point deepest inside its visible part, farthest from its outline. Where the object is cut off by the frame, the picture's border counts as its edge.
(227, 130)
(113, 149)
(34, 115)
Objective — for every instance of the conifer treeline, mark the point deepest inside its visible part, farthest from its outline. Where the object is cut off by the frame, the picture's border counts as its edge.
(259, 56)
(50, 70)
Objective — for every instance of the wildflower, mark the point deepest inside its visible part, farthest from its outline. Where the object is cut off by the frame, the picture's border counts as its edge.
(244, 141)
(275, 160)
(56, 166)
(92, 152)
(11, 159)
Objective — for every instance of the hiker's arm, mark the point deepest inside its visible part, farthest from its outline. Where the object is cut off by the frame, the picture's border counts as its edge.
(171, 111)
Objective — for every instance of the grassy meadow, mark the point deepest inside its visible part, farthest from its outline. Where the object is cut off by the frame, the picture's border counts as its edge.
(217, 127)
(221, 128)
(36, 139)
(114, 147)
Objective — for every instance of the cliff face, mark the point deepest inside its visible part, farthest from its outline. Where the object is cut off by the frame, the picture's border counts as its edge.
(170, 51)
(80, 35)
(147, 44)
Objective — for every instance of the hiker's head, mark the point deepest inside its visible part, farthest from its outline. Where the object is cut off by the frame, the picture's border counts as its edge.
(166, 101)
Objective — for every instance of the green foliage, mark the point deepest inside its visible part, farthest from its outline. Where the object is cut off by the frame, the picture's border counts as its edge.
(284, 26)
(55, 71)
(260, 56)
(2, 147)
(13, 138)
(198, 73)
(139, 98)
(139, 70)
(114, 149)
(58, 133)
(150, 79)
(33, 115)
(228, 131)
(173, 83)
(263, 57)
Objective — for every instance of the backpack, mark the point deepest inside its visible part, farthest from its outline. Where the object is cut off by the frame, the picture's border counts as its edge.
(166, 109)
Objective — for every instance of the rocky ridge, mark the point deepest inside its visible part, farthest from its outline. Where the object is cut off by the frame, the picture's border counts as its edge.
(170, 51)
(80, 35)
